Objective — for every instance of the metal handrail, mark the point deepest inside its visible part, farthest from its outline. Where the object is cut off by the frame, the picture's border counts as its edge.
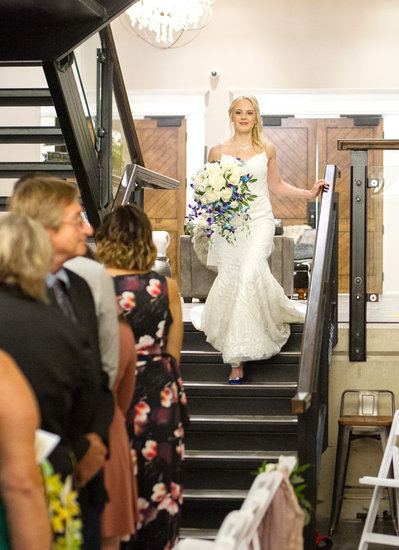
(137, 178)
(314, 323)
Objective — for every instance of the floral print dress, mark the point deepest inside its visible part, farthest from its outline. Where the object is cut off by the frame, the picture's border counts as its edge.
(158, 413)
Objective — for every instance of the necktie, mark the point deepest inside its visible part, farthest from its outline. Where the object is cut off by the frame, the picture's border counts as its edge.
(63, 300)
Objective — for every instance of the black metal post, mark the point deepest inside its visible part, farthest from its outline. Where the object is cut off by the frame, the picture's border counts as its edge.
(74, 126)
(308, 450)
(334, 277)
(104, 129)
(358, 257)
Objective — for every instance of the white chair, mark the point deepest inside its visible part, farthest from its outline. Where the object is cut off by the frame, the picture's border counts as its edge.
(239, 530)
(389, 467)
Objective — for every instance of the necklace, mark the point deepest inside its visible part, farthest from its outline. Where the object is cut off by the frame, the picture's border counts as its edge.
(243, 148)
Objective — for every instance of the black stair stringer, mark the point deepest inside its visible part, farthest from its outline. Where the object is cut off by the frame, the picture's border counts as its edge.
(78, 140)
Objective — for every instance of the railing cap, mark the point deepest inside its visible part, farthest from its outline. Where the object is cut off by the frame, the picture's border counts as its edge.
(367, 144)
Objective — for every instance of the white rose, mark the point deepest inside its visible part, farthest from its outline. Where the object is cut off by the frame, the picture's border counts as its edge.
(226, 163)
(237, 170)
(213, 168)
(211, 195)
(199, 185)
(234, 204)
(216, 181)
(226, 194)
(234, 179)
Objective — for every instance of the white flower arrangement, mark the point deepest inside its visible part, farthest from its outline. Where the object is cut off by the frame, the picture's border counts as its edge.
(221, 194)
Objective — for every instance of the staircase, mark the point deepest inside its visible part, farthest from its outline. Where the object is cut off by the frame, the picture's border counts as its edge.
(233, 429)
(44, 35)
(24, 97)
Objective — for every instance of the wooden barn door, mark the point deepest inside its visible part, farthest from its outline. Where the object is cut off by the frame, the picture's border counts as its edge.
(295, 142)
(299, 143)
(329, 131)
(164, 151)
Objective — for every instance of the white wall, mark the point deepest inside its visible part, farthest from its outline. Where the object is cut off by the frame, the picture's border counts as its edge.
(262, 44)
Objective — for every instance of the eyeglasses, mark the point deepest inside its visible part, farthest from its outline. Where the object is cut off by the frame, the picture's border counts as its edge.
(79, 221)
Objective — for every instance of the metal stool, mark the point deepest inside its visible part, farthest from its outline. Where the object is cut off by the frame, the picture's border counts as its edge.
(363, 413)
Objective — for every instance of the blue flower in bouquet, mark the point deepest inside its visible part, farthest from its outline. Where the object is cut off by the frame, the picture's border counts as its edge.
(222, 197)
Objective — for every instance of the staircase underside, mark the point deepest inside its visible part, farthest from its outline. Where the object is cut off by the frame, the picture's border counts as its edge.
(50, 29)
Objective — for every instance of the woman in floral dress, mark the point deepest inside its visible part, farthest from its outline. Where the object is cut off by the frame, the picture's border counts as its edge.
(158, 414)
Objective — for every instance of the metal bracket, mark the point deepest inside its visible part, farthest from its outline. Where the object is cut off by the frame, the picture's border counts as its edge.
(372, 297)
(373, 183)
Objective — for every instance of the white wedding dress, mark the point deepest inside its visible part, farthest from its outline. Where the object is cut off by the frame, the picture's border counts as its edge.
(247, 315)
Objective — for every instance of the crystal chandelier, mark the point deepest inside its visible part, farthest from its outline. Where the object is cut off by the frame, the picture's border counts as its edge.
(162, 20)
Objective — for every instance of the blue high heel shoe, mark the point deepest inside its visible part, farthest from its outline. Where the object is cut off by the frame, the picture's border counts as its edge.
(235, 380)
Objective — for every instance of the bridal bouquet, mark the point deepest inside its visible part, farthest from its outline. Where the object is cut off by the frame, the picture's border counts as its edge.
(221, 195)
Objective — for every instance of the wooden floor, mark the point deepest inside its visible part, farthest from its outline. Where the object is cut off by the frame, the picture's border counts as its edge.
(348, 534)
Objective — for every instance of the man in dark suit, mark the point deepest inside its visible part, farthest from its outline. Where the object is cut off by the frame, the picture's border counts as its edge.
(54, 203)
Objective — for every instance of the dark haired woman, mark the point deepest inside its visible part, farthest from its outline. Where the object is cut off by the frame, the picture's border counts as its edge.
(157, 416)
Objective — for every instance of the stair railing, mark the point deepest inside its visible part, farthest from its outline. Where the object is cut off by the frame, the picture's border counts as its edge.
(319, 337)
(135, 179)
(322, 296)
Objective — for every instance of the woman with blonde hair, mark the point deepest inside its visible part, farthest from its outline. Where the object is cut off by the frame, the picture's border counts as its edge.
(157, 416)
(247, 314)
(53, 355)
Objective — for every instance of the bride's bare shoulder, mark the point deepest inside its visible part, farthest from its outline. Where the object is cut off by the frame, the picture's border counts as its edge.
(269, 149)
(215, 153)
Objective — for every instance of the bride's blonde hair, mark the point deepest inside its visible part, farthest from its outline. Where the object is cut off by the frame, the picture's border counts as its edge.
(258, 141)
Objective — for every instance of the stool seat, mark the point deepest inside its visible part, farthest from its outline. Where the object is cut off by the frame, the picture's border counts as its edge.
(371, 421)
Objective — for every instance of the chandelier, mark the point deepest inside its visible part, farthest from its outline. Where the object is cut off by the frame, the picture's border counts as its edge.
(161, 22)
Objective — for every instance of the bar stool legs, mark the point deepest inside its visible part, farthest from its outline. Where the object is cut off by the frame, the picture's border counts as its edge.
(341, 466)
(345, 436)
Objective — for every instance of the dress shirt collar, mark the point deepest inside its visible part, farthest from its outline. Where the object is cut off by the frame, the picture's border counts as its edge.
(61, 274)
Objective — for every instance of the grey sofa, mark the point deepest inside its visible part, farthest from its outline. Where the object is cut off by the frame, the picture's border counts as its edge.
(196, 279)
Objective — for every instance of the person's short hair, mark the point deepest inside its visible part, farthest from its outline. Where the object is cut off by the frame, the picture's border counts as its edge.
(25, 254)
(42, 198)
(124, 239)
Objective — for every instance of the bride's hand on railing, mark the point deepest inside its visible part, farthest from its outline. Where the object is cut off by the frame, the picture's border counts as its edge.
(320, 186)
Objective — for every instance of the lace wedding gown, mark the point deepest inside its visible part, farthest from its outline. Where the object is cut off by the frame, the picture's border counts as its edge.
(247, 315)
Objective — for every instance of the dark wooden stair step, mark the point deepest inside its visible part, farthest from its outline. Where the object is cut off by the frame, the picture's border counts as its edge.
(221, 469)
(28, 134)
(206, 534)
(240, 432)
(25, 97)
(195, 341)
(18, 169)
(283, 370)
(207, 508)
(250, 399)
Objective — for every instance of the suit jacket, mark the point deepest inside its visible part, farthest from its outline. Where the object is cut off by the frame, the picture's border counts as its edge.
(82, 301)
(53, 356)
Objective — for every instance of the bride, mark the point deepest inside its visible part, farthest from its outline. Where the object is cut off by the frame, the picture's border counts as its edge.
(247, 315)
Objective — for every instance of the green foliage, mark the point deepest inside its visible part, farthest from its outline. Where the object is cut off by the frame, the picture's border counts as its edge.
(297, 482)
